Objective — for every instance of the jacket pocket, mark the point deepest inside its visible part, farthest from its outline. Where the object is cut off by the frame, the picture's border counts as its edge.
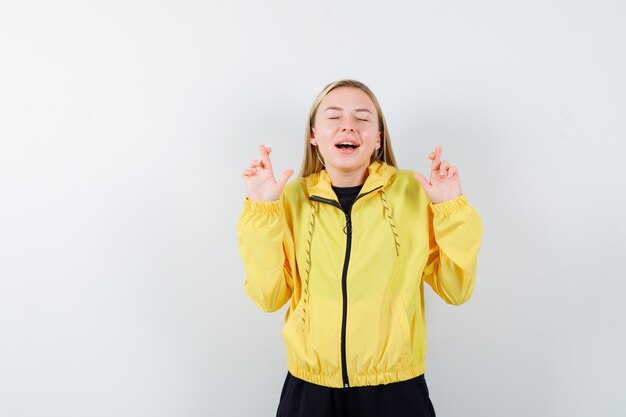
(296, 320)
(402, 321)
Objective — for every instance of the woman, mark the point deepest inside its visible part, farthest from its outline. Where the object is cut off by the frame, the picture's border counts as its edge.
(349, 244)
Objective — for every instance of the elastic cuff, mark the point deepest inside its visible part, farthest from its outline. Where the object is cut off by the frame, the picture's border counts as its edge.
(261, 206)
(448, 207)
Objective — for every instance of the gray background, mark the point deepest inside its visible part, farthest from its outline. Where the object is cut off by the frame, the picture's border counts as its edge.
(125, 127)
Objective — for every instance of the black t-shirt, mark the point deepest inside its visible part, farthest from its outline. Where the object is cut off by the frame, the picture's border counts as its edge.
(347, 195)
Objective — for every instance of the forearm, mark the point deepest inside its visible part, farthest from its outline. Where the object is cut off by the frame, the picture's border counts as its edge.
(261, 234)
(457, 230)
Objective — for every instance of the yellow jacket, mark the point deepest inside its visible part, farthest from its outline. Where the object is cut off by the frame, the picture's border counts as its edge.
(355, 281)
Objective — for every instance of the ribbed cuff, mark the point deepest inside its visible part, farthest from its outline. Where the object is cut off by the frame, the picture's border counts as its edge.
(261, 206)
(448, 207)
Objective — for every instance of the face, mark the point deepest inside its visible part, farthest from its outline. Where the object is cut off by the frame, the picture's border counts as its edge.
(346, 129)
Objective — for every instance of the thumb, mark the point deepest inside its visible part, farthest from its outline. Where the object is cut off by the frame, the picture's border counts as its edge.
(283, 178)
(422, 179)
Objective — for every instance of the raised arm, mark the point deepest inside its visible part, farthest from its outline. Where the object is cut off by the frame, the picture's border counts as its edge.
(455, 233)
(265, 240)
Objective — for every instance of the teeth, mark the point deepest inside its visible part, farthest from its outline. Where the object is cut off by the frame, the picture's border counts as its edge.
(347, 143)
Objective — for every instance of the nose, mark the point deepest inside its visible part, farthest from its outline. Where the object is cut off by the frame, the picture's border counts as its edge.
(347, 126)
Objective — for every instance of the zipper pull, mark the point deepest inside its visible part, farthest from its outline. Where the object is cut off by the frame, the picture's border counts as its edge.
(347, 229)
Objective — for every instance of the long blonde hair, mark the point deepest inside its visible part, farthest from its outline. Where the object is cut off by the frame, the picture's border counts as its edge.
(311, 162)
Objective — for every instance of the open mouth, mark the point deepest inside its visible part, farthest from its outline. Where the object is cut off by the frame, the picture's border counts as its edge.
(346, 145)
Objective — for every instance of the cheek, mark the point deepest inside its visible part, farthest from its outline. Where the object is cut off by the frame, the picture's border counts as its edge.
(369, 134)
(326, 130)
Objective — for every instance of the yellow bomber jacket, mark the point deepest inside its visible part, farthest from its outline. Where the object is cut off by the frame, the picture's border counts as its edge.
(355, 282)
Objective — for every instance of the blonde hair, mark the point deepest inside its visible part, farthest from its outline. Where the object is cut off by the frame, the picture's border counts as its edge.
(311, 163)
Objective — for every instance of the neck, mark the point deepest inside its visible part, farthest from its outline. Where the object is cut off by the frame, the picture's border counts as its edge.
(352, 178)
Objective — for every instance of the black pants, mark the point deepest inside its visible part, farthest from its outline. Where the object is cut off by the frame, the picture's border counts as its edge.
(401, 399)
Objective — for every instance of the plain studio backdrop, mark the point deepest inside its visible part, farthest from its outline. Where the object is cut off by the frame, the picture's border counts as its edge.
(125, 127)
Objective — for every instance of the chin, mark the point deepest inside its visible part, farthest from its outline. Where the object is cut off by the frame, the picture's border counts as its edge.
(350, 165)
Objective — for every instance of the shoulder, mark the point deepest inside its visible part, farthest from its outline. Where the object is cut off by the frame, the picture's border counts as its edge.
(294, 191)
(295, 186)
(403, 186)
(405, 178)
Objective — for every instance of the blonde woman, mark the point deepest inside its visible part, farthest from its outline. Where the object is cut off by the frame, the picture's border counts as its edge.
(349, 245)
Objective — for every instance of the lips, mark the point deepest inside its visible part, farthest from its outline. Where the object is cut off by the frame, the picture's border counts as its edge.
(347, 144)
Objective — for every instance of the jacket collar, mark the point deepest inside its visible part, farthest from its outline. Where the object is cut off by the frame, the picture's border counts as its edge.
(318, 184)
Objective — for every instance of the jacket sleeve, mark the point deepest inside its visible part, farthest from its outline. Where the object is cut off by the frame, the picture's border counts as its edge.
(264, 239)
(455, 232)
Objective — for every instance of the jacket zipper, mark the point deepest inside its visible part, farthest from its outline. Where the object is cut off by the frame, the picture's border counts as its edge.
(347, 229)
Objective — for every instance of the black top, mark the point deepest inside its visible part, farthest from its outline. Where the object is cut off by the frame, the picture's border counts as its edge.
(347, 195)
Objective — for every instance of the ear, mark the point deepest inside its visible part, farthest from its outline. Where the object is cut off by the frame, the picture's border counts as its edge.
(313, 139)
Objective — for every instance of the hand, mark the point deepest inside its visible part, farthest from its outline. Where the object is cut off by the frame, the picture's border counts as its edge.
(259, 178)
(444, 181)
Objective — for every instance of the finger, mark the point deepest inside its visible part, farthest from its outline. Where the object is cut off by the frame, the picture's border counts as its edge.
(438, 151)
(436, 159)
(443, 168)
(283, 178)
(422, 179)
(254, 163)
(265, 158)
(452, 171)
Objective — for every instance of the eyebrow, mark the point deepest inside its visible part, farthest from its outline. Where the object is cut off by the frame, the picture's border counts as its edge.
(340, 109)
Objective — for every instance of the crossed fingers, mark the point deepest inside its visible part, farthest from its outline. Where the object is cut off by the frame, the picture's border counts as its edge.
(264, 162)
(441, 168)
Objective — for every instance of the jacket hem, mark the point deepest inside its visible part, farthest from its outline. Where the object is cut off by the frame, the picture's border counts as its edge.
(359, 380)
